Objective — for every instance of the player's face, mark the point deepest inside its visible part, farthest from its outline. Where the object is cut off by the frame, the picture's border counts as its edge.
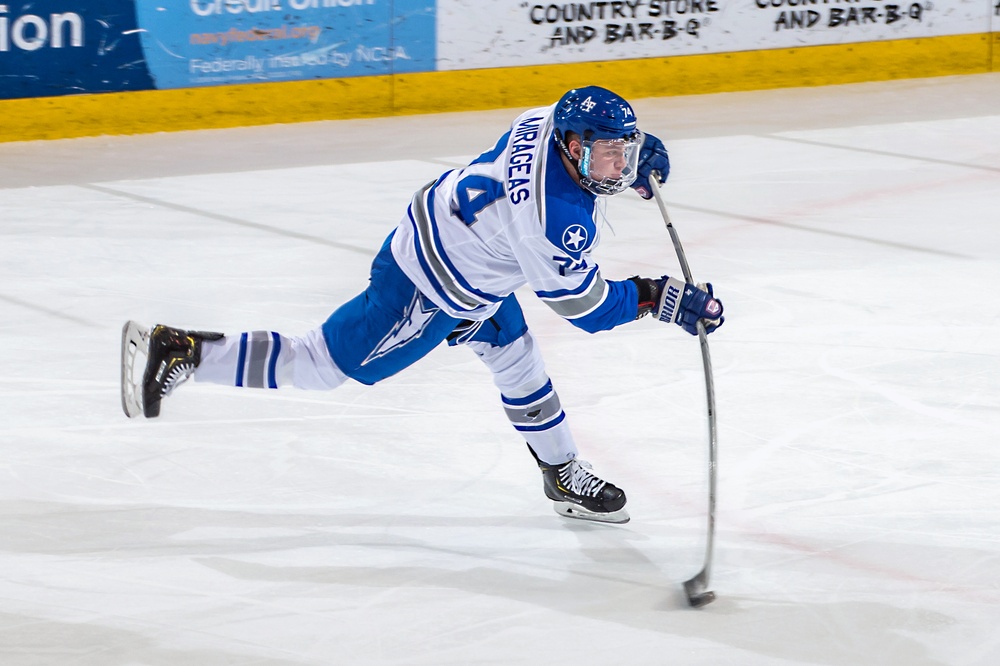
(607, 159)
(605, 166)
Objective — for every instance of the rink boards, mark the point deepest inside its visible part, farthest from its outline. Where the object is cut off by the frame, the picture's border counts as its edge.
(210, 64)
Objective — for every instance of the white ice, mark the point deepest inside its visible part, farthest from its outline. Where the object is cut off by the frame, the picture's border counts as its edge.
(853, 234)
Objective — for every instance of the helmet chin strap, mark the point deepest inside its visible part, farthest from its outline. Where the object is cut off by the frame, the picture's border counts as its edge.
(565, 150)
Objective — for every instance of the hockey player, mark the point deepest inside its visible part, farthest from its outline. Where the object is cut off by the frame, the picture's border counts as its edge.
(520, 213)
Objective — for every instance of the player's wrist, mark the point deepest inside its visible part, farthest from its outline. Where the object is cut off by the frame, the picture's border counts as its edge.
(648, 291)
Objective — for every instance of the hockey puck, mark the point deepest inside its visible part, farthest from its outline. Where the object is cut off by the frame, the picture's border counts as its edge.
(702, 599)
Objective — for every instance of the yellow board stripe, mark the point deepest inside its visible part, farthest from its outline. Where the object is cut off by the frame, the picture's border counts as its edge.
(466, 90)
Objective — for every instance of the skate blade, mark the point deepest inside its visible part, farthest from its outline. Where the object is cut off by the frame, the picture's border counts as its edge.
(569, 510)
(135, 343)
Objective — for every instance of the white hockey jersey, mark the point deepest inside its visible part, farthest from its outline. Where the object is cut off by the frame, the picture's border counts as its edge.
(513, 216)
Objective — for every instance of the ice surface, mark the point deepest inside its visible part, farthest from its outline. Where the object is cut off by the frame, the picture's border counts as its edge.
(853, 234)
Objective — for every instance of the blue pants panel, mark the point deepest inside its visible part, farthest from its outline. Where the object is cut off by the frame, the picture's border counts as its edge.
(386, 328)
(506, 325)
(391, 325)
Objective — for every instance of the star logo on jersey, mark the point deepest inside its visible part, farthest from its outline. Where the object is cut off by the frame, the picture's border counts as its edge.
(574, 238)
(415, 319)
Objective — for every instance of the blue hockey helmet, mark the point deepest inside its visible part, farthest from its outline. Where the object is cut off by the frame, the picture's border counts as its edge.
(605, 126)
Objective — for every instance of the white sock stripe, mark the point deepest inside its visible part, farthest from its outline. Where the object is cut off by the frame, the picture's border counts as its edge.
(257, 356)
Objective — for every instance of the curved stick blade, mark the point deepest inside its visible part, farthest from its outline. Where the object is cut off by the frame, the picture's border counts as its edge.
(697, 595)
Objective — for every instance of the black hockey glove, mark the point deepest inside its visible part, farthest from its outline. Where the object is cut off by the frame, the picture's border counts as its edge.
(673, 301)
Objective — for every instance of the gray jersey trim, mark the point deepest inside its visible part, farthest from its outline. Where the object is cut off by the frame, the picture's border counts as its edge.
(581, 304)
(425, 236)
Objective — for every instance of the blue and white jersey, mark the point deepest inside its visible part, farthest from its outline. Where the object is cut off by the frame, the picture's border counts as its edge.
(513, 216)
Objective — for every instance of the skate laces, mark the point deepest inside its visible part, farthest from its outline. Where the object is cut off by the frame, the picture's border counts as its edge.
(576, 477)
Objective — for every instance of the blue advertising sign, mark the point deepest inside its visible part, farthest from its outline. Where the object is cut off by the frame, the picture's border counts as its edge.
(63, 47)
(192, 43)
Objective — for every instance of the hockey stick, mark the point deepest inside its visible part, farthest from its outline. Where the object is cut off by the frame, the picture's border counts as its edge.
(696, 588)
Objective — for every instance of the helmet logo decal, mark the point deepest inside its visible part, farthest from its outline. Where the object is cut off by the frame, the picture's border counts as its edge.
(574, 238)
(588, 104)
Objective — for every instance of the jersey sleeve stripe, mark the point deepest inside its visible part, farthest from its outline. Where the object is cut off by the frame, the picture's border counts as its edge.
(427, 269)
(429, 259)
(433, 260)
(571, 293)
(453, 272)
(582, 304)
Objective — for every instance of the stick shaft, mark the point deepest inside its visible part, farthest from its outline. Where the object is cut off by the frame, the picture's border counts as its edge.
(700, 582)
(673, 232)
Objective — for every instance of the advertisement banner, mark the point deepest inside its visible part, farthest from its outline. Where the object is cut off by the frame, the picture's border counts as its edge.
(536, 33)
(192, 43)
(64, 47)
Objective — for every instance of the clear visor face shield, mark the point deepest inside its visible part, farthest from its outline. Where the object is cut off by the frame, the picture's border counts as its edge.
(610, 166)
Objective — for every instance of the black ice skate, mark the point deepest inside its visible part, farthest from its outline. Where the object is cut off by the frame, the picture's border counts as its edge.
(578, 493)
(171, 357)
